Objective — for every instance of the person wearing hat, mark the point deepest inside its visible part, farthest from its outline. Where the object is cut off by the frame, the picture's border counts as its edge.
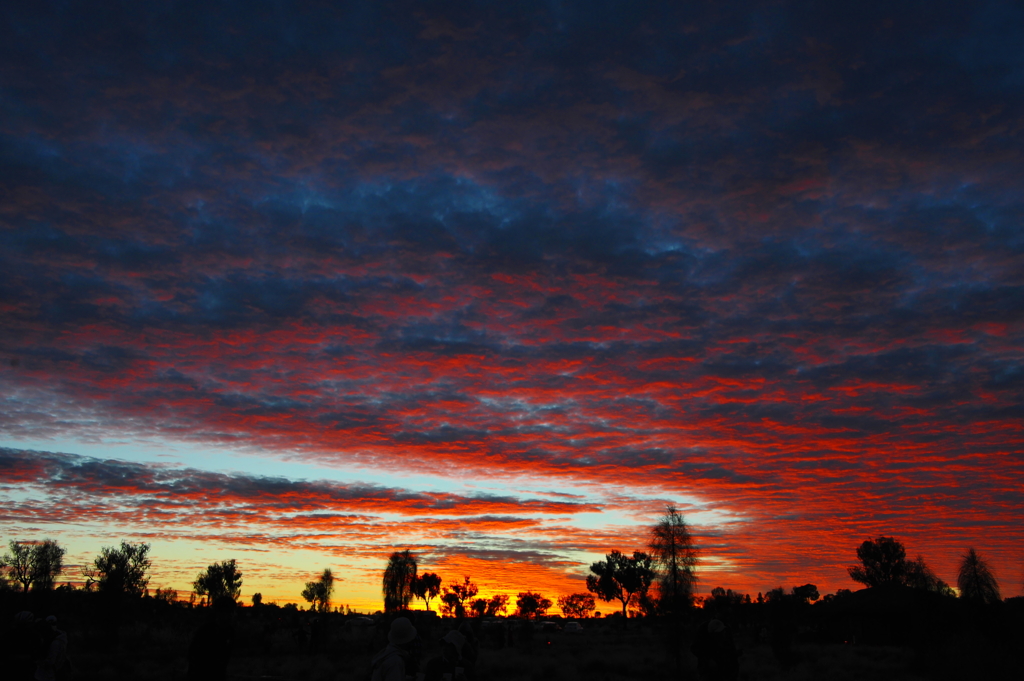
(390, 663)
(449, 666)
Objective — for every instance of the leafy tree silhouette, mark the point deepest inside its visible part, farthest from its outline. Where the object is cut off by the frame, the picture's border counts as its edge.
(531, 605)
(577, 606)
(34, 565)
(808, 593)
(975, 579)
(318, 593)
(47, 563)
(399, 577)
(478, 607)
(122, 569)
(497, 605)
(883, 561)
(426, 586)
(676, 560)
(920, 576)
(621, 577)
(451, 606)
(457, 595)
(219, 580)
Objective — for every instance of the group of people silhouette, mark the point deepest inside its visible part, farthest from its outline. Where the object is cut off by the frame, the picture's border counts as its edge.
(39, 648)
(401, 658)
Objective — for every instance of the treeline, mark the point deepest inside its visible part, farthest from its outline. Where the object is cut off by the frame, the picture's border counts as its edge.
(117, 571)
(884, 565)
(659, 580)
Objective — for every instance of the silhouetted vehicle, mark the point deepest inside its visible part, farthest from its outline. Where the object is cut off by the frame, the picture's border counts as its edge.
(573, 628)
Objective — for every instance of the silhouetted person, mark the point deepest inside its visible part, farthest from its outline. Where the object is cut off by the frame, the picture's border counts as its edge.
(51, 654)
(470, 650)
(210, 651)
(397, 659)
(448, 666)
(717, 657)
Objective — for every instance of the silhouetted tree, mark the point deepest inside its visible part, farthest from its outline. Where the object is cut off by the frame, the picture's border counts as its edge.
(646, 573)
(724, 598)
(318, 593)
(18, 562)
(47, 563)
(257, 599)
(456, 596)
(920, 576)
(167, 595)
(219, 579)
(621, 577)
(34, 565)
(883, 561)
(122, 569)
(975, 579)
(676, 560)
(577, 606)
(531, 605)
(478, 607)
(399, 577)
(808, 593)
(497, 605)
(426, 586)
(451, 606)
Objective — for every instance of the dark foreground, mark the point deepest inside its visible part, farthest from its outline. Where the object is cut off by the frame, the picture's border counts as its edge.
(150, 640)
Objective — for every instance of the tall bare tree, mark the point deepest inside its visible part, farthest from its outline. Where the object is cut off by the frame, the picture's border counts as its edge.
(676, 558)
(399, 577)
(975, 579)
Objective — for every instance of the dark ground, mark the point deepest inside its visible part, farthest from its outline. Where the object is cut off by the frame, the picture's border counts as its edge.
(149, 640)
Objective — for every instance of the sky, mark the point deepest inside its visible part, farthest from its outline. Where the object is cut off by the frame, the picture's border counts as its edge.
(301, 284)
